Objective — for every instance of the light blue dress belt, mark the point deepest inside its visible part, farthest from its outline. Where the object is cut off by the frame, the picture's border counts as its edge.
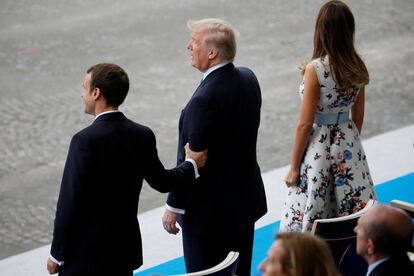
(331, 119)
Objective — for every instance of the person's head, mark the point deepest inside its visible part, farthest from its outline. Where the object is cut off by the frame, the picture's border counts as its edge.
(291, 255)
(212, 41)
(104, 84)
(383, 231)
(334, 37)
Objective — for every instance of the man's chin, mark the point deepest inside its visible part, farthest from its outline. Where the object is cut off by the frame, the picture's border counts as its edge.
(197, 67)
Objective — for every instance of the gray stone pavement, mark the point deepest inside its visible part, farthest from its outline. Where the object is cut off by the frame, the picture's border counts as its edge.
(46, 46)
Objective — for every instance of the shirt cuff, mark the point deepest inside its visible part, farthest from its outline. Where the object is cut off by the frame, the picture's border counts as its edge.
(60, 263)
(194, 165)
(174, 210)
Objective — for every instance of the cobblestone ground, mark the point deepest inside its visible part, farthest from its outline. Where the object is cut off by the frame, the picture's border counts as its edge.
(46, 46)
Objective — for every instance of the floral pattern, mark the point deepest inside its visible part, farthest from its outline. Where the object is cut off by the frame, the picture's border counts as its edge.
(334, 177)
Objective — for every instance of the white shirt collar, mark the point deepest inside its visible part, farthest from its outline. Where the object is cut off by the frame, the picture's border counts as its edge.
(105, 112)
(212, 68)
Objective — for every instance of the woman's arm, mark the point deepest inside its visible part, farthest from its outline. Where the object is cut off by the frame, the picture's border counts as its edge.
(357, 111)
(305, 123)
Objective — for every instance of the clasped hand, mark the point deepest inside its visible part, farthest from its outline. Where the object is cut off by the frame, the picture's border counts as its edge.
(200, 157)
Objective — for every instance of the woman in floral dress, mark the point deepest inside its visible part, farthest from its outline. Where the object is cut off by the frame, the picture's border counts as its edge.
(329, 174)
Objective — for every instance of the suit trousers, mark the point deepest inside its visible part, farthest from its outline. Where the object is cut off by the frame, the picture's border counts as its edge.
(202, 251)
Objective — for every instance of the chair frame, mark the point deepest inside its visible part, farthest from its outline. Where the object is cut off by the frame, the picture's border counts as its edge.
(409, 208)
(230, 260)
(356, 215)
(340, 241)
(406, 206)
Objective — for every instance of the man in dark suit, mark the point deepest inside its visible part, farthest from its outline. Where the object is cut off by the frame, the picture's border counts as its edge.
(218, 214)
(96, 228)
(384, 235)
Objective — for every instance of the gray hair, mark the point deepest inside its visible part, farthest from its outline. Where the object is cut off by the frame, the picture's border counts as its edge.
(218, 34)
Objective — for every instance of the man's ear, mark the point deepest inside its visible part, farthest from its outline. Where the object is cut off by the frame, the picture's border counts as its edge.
(213, 53)
(96, 93)
(370, 247)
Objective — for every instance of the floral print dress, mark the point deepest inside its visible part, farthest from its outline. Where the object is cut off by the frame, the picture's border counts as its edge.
(334, 175)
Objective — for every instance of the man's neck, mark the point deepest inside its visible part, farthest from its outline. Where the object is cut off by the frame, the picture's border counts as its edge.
(103, 108)
(373, 258)
(105, 112)
(213, 68)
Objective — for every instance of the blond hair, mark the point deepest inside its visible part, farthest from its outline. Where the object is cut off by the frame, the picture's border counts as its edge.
(218, 34)
(306, 255)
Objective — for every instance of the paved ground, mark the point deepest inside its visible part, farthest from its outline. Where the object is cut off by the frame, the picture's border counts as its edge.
(46, 46)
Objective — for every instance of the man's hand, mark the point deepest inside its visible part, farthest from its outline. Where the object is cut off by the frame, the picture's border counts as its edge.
(169, 221)
(200, 157)
(52, 267)
(292, 177)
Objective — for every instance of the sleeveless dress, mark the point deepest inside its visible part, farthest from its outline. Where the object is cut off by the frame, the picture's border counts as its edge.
(334, 175)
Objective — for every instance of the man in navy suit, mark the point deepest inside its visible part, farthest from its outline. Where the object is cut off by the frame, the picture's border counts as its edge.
(96, 229)
(218, 214)
(384, 236)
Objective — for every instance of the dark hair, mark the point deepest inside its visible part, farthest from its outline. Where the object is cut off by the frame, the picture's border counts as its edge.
(334, 37)
(112, 80)
(387, 238)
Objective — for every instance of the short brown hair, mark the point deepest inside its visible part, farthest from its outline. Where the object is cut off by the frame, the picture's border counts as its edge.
(112, 80)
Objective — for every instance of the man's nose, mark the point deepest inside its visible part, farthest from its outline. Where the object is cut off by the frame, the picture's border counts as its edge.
(263, 265)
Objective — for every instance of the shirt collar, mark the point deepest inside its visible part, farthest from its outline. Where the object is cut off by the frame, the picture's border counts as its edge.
(372, 266)
(212, 68)
(105, 112)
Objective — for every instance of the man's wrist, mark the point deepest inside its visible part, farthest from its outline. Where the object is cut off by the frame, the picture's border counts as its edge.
(194, 165)
(53, 259)
(174, 210)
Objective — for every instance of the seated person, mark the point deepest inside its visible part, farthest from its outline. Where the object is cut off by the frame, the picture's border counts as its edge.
(298, 254)
(384, 235)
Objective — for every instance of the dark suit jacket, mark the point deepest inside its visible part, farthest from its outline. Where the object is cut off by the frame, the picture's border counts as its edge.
(222, 116)
(96, 227)
(400, 266)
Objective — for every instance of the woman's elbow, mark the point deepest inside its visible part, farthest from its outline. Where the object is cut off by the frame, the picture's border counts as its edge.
(304, 127)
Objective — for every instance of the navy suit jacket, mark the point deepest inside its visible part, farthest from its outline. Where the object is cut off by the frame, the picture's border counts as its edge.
(396, 265)
(96, 226)
(222, 116)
